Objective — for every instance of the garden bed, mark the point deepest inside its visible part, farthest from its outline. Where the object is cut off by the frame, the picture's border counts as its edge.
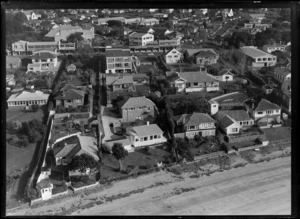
(84, 180)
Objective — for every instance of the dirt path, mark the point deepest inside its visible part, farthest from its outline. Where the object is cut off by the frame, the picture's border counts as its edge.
(256, 189)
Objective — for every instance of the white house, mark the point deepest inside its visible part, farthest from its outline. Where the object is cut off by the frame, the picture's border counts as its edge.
(274, 47)
(31, 15)
(229, 125)
(45, 188)
(43, 61)
(240, 116)
(19, 47)
(266, 112)
(140, 39)
(146, 135)
(26, 99)
(258, 57)
(118, 61)
(224, 75)
(173, 56)
(194, 81)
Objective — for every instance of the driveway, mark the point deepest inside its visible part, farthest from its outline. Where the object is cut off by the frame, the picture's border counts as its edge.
(107, 118)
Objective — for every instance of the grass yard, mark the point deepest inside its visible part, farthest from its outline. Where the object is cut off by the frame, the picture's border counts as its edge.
(22, 115)
(143, 89)
(274, 134)
(137, 160)
(17, 158)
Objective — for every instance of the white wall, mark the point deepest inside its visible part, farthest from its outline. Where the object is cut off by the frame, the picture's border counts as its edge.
(148, 142)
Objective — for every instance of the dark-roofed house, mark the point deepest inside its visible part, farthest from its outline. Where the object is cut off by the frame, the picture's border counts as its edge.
(140, 79)
(266, 112)
(119, 82)
(44, 61)
(145, 135)
(118, 61)
(70, 98)
(196, 124)
(240, 116)
(194, 81)
(137, 108)
(229, 125)
(206, 57)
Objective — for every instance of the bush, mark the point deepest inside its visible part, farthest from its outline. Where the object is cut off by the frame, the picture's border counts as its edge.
(77, 184)
(176, 170)
(248, 156)
(35, 107)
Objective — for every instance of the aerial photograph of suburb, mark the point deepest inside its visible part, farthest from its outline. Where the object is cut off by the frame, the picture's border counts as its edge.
(148, 111)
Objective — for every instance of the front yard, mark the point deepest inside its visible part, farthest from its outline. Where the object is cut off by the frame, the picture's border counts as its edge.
(274, 134)
(136, 161)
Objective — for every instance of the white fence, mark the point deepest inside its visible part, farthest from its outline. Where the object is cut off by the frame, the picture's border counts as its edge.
(85, 187)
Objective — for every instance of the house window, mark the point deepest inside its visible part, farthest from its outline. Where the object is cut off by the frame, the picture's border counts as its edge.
(195, 84)
(191, 127)
(277, 111)
(241, 123)
(202, 69)
(141, 139)
(274, 59)
(269, 111)
(259, 59)
(234, 130)
(145, 138)
(126, 64)
(269, 59)
(259, 112)
(155, 136)
(137, 139)
(151, 137)
(158, 136)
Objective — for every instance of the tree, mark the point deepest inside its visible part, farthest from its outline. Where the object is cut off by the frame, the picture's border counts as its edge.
(34, 136)
(24, 130)
(119, 153)
(82, 163)
(115, 23)
(74, 38)
(35, 107)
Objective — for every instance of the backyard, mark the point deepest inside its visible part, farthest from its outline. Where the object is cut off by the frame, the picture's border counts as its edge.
(23, 115)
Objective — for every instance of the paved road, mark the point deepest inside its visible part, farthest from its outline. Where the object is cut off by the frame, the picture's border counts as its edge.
(261, 189)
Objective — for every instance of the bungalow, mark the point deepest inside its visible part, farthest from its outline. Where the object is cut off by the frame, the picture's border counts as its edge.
(85, 145)
(140, 79)
(136, 108)
(282, 74)
(70, 98)
(172, 56)
(274, 47)
(224, 75)
(240, 116)
(196, 124)
(206, 57)
(265, 112)
(44, 61)
(229, 125)
(122, 82)
(258, 57)
(146, 135)
(45, 189)
(140, 39)
(25, 99)
(194, 81)
(118, 61)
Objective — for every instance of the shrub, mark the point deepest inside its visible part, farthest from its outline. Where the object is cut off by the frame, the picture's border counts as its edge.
(197, 138)
(176, 170)
(77, 184)
(35, 107)
(248, 156)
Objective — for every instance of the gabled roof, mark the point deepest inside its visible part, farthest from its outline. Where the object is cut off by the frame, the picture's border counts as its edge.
(191, 52)
(54, 31)
(71, 94)
(167, 53)
(253, 52)
(89, 145)
(227, 121)
(28, 12)
(135, 34)
(134, 102)
(117, 53)
(266, 105)
(140, 75)
(45, 183)
(282, 71)
(206, 53)
(195, 119)
(146, 130)
(237, 115)
(27, 96)
(119, 79)
(195, 77)
(63, 151)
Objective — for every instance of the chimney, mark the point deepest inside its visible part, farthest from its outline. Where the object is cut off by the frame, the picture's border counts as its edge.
(148, 123)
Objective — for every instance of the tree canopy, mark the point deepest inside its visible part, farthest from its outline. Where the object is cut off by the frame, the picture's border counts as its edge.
(82, 163)
(119, 152)
(74, 38)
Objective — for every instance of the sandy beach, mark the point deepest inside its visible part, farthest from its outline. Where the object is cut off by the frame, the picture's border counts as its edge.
(255, 189)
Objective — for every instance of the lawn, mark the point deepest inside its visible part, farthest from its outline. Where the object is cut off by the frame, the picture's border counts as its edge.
(22, 115)
(274, 134)
(138, 160)
(17, 158)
